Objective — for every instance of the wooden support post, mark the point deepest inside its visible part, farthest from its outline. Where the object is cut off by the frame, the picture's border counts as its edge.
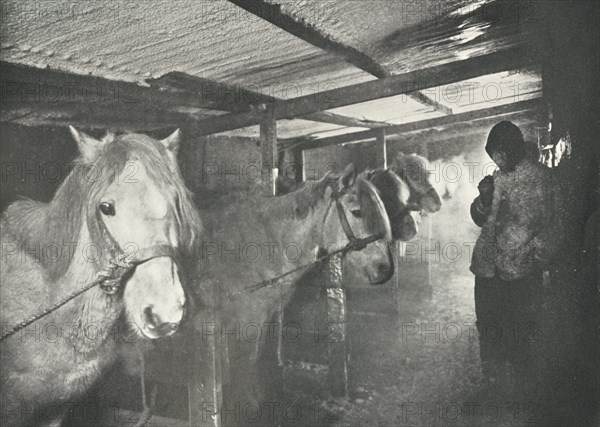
(268, 147)
(303, 166)
(381, 143)
(270, 160)
(336, 316)
(299, 165)
(205, 385)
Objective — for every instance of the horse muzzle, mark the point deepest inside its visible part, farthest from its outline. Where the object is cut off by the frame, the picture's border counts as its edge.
(154, 327)
(384, 272)
(404, 227)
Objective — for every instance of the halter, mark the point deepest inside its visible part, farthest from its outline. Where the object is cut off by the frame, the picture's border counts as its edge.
(119, 263)
(110, 278)
(355, 243)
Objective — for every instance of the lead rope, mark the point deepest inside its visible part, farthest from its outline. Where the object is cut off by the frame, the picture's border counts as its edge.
(353, 245)
(105, 278)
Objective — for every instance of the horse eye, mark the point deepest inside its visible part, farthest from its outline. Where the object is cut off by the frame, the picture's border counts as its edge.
(357, 213)
(107, 208)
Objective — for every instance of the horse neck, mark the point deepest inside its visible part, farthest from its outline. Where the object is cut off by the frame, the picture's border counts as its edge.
(94, 309)
(305, 232)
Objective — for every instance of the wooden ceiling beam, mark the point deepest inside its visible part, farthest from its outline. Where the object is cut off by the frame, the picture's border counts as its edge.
(22, 83)
(239, 99)
(229, 97)
(34, 95)
(492, 113)
(337, 119)
(368, 91)
(272, 13)
(426, 100)
(92, 117)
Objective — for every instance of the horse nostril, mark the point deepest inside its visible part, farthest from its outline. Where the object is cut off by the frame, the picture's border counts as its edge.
(151, 319)
(155, 324)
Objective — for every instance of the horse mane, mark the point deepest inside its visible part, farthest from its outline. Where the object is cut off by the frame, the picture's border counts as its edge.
(415, 171)
(394, 192)
(166, 174)
(413, 166)
(42, 227)
(299, 203)
(36, 225)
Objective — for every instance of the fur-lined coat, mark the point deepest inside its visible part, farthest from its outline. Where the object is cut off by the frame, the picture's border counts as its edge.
(518, 230)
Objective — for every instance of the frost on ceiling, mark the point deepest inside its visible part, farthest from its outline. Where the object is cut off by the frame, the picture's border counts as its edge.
(129, 41)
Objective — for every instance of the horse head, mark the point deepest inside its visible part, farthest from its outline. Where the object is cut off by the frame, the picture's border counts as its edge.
(414, 170)
(365, 213)
(395, 195)
(138, 202)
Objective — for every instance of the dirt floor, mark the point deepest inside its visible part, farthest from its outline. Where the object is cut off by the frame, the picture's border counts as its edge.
(419, 367)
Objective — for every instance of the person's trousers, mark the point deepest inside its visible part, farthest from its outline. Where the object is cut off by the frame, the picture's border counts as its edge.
(507, 322)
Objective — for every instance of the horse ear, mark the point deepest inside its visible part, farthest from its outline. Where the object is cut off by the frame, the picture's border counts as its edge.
(348, 178)
(88, 146)
(171, 142)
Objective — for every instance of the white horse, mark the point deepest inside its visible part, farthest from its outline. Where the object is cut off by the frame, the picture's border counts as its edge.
(124, 202)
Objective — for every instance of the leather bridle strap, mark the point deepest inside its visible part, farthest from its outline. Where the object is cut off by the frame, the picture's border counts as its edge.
(119, 263)
(355, 243)
(151, 252)
(110, 278)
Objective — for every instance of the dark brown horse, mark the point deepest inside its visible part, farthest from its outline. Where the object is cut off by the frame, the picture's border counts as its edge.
(395, 195)
(415, 171)
(125, 195)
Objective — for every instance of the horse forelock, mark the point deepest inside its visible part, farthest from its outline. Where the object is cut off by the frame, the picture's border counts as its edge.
(415, 170)
(162, 171)
(392, 189)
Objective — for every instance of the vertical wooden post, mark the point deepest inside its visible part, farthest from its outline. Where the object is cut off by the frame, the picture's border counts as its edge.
(268, 147)
(336, 336)
(299, 165)
(303, 166)
(204, 356)
(270, 160)
(205, 386)
(383, 144)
